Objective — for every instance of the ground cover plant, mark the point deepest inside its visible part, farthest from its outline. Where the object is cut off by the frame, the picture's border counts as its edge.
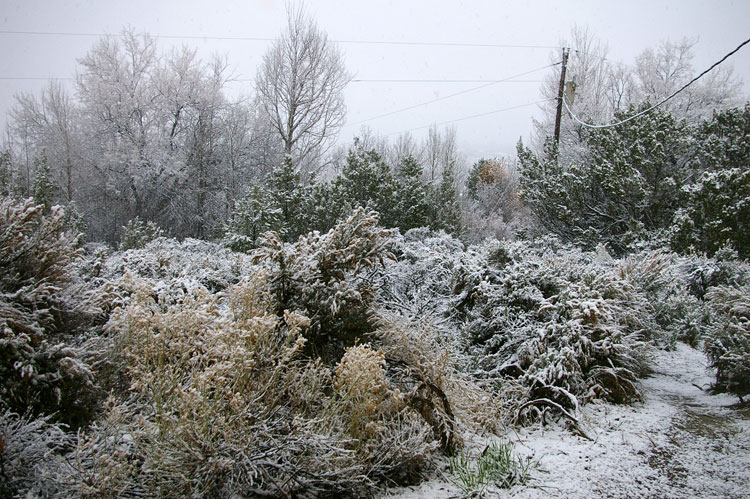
(341, 363)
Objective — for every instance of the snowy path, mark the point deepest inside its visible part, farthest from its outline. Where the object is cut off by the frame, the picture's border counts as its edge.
(680, 442)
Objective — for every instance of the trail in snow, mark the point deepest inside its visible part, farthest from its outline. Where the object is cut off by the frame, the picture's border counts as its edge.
(680, 442)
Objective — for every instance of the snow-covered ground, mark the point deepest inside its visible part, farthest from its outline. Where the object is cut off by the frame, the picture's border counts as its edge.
(680, 442)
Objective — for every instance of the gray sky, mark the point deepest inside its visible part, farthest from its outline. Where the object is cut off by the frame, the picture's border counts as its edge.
(626, 27)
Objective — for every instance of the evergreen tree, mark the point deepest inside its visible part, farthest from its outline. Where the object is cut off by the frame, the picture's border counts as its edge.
(626, 190)
(324, 206)
(715, 209)
(6, 174)
(445, 210)
(252, 216)
(412, 208)
(288, 197)
(44, 189)
(366, 181)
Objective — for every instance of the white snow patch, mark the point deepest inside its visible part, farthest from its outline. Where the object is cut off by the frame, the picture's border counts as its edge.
(681, 441)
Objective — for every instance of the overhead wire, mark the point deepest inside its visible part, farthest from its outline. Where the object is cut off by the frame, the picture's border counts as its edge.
(265, 39)
(661, 102)
(472, 116)
(358, 80)
(36, 78)
(409, 108)
(485, 82)
(364, 80)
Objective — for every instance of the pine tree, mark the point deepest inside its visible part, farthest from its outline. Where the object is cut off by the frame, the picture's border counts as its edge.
(625, 191)
(44, 189)
(366, 181)
(6, 174)
(445, 208)
(324, 206)
(715, 209)
(412, 208)
(252, 216)
(288, 197)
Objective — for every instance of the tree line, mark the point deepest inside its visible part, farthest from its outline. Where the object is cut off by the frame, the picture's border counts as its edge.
(151, 142)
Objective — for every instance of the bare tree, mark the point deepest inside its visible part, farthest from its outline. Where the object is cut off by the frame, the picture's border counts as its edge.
(299, 85)
(662, 71)
(439, 151)
(603, 87)
(48, 123)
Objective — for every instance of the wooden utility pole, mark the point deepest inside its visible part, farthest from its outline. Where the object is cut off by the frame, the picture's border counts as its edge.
(566, 51)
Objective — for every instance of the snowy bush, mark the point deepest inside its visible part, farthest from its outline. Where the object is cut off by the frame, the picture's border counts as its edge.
(224, 403)
(728, 343)
(42, 308)
(565, 326)
(420, 282)
(30, 455)
(137, 233)
(262, 387)
(329, 277)
(178, 266)
(671, 311)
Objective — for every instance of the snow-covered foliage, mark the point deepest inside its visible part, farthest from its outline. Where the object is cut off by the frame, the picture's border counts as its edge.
(30, 451)
(224, 402)
(332, 365)
(137, 233)
(41, 309)
(543, 321)
(291, 380)
(728, 342)
(329, 277)
(563, 325)
(178, 266)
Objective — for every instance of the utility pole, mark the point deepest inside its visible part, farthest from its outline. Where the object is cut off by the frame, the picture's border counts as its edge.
(566, 51)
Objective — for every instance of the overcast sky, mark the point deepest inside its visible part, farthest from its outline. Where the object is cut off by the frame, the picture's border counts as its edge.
(626, 27)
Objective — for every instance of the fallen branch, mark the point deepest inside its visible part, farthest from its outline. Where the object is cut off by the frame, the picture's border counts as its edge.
(545, 401)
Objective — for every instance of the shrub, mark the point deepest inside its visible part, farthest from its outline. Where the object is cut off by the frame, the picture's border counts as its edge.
(223, 402)
(178, 265)
(728, 343)
(558, 322)
(137, 233)
(329, 278)
(30, 454)
(42, 308)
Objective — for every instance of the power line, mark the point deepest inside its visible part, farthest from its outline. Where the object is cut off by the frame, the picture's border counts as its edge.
(358, 80)
(264, 39)
(472, 116)
(645, 111)
(361, 80)
(36, 78)
(448, 96)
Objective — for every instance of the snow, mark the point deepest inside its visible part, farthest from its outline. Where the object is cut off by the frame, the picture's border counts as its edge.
(681, 441)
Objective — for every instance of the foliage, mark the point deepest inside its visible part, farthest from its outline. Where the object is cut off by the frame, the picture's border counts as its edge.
(251, 217)
(30, 454)
(495, 208)
(496, 466)
(137, 233)
(366, 181)
(728, 341)
(326, 277)
(44, 189)
(225, 403)
(42, 372)
(624, 190)
(412, 206)
(714, 211)
(177, 266)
